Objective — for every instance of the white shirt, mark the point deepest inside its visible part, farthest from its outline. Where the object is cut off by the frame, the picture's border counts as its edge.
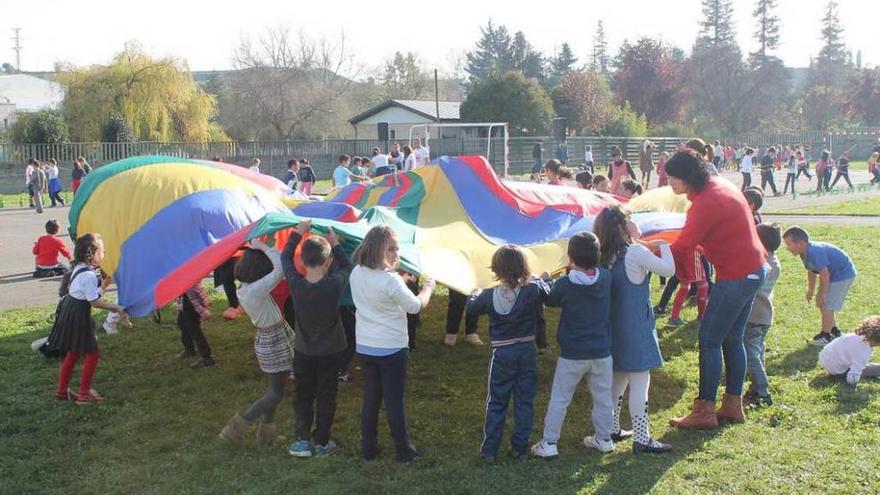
(409, 163)
(28, 171)
(640, 260)
(588, 156)
(255, 298)
(52, 172)
(380, 160)
(745, 165)
(86, 286)
(423, 155)
(718, 150)
(848, 354)
(382, 300)
(255, 168)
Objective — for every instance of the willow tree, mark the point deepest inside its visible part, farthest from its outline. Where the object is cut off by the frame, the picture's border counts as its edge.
(156, 97)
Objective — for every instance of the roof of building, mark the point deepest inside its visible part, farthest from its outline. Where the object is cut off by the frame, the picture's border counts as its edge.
(449, 110)
(30, 93)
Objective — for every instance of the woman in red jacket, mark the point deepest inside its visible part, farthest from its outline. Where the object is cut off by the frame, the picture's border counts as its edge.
(719, 220)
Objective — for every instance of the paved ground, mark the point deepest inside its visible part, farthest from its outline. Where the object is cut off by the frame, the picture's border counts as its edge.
(19, 228)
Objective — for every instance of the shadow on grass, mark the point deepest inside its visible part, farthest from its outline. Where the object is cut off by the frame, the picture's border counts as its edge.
(795, 362)
(848, 399)
(675, 341)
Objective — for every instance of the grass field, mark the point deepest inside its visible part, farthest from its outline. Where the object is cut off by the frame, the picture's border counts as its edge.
(157, 431)
(869, 206)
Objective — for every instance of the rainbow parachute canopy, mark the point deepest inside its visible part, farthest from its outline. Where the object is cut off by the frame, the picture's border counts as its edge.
(168, 222)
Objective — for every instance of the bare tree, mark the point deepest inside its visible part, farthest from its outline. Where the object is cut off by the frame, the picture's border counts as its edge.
(286, 85)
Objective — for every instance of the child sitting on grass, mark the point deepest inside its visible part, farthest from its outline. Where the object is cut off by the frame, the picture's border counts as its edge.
(849, 356)
(584, 336)
(512, 307)
(46, 249)
(760, 319)
(835, 272)
(319, 339)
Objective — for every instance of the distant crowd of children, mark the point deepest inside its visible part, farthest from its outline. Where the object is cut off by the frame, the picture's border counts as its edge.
(313, 308)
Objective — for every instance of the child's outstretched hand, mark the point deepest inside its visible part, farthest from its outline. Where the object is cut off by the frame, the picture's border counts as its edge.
(125, 320)
(303, 227)
(331, 237)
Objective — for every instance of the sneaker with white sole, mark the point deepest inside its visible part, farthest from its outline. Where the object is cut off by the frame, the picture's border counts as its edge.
(110, 327)
(604, 446)
(450, 339)
(300, 448)
(545, 450)
(473, 339)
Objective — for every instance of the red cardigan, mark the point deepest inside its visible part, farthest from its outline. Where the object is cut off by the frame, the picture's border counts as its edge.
(720, 221)
(47, 248)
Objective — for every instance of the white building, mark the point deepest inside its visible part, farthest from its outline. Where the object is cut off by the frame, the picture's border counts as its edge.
(27, 93)
(400, 115)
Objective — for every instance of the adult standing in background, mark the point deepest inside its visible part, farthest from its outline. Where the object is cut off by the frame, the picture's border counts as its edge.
(646, 162)
(537, 156)
(423, 153)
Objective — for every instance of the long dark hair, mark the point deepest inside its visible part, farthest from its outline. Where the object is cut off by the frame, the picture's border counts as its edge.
(610, 228)
(688, 168)
(83, 252)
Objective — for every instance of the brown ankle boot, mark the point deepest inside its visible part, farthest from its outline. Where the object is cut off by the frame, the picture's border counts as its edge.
(233, 432)
(731, 409)
(702, 417)
(267, 435)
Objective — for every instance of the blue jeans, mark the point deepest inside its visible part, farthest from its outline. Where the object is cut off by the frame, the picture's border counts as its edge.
(512, 372)
(721, 333)
(754, 338)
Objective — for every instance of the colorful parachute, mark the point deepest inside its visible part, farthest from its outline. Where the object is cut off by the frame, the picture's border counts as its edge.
(168, 222)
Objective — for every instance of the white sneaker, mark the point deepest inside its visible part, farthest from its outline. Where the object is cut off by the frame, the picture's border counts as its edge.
(604, 446)
(450, 339)
(545, 450)
(473, 339)
(35, 345)
(110, 327)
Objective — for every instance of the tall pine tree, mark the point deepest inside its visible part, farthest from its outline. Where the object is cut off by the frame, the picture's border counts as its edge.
(491, 56)
(717, 28)
(525, 59)
(767, 34)
(833, 54)
(600, 50)
(563, 62)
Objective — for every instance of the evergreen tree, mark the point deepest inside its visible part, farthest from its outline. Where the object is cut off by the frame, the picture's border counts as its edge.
(833, 53)
(525, 59)
(767, 34)
(564, 62)
(600, 50)
(716, 29)
(492, 55)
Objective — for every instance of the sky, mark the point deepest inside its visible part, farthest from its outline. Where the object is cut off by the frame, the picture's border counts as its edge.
(204, 33)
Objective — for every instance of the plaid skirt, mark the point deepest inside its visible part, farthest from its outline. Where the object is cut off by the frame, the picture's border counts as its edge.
(274, 348)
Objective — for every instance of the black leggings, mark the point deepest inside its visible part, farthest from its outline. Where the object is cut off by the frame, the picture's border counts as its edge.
(805, 171)
(747, 180)
(347, 314)
(845, 176)
(265, 406)
(789, 179)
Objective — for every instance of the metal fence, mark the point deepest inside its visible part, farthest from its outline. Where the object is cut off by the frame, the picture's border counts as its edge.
(323, 154)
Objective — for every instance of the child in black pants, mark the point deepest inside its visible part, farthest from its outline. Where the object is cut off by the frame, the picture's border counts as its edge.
(192, 308)
(319, 339)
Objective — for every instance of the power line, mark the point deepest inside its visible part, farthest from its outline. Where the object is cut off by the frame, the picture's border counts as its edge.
(17, 48)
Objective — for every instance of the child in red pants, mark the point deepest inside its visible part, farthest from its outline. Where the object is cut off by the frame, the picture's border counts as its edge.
(74, 330)
(689, 271)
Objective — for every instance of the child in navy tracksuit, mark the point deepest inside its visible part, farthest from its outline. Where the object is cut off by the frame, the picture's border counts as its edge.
(513, 308)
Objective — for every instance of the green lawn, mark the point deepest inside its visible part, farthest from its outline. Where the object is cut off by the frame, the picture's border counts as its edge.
(157, 431)
(870, 206)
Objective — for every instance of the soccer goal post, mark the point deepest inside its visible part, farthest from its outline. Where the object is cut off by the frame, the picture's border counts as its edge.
(490, 125)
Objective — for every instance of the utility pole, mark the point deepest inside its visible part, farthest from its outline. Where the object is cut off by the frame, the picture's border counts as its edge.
(17, 48)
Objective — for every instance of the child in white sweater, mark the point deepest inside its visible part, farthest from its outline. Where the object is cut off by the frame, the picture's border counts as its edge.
(850, 354)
